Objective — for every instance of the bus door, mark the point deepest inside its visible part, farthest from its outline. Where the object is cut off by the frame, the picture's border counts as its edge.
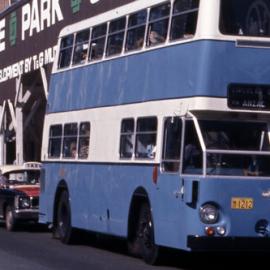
(177, 190)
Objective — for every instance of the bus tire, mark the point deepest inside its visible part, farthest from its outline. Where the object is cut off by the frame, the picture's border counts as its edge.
(63, 219)
(149, 250)
(10, 220)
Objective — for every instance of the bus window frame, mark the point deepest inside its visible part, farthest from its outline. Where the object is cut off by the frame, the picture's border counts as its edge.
(139, 133)
(69, 137)
(134, 28)
(124, 134)
(78, 44)
(151, 22)
(163, 159)
(60, 67)
(111, 34)
(82, 137)
(124, 52)
(50, 138)
(91, 40)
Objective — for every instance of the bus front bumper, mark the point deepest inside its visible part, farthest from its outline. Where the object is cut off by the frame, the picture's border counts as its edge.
(204, 243)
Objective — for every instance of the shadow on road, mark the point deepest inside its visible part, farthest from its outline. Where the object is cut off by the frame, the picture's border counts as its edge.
(214, 261)
(29, 227)
(182, 260)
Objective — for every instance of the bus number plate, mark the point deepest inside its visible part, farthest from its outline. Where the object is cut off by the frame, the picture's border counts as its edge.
(242, 203)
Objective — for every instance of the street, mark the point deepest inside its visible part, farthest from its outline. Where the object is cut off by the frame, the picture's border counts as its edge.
(34, 248)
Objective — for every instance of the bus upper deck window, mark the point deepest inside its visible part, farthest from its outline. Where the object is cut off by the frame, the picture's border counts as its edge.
(158, 24)
(184, 19)
(245, 18)
(97, 42)
(136, 30)
(116, 36)
(65, 51)
(81, 47)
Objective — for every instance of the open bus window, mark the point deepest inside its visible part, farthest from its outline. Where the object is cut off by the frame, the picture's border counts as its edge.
(184, 19)
(127, 138)
(84, 136)
(55, 138)
(146, 135)
(171, 144)
(65, 53)
(116, 36)
(69, 149)
(136, 30)
(97, 43)
(158, 24)
(81, 47)
(192, 150)
(245, 17)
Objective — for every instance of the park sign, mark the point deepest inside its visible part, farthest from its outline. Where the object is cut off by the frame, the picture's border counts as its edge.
(29, 31)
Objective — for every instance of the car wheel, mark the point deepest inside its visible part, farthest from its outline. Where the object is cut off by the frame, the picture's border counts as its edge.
(10, 219)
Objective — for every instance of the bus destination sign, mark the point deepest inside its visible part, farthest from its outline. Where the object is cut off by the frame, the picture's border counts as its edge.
(249, 97)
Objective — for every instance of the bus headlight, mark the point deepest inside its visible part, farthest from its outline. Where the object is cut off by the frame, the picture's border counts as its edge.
(209, 213)
(24, 202)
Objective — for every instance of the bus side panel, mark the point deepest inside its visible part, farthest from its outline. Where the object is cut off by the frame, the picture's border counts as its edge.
(100, 197)
(185, 70)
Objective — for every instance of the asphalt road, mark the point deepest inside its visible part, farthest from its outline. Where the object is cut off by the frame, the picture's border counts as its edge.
(34, 249)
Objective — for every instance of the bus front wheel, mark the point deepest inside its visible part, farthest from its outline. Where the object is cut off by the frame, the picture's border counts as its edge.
(149, 250)
(63, 219)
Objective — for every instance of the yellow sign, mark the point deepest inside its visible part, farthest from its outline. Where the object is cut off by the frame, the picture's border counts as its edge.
(242, 203)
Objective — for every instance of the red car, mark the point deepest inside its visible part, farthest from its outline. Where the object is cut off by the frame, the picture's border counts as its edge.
(19, 193)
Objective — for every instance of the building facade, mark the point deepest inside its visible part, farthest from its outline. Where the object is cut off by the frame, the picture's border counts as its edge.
(28, 38)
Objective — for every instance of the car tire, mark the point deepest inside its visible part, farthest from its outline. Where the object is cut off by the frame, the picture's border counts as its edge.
(10, 220)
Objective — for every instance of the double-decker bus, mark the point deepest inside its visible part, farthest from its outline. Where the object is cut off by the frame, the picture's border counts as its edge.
(157, 127)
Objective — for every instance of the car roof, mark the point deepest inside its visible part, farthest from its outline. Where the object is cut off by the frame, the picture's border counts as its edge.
(30, 166)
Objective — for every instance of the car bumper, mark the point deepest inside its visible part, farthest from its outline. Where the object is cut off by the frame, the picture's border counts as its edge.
(26, 214)
(205, 243)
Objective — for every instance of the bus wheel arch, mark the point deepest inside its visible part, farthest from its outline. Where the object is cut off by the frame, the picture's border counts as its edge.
(141, 228)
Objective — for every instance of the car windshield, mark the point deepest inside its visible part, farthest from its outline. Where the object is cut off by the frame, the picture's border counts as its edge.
(29, 177)
(245, 18)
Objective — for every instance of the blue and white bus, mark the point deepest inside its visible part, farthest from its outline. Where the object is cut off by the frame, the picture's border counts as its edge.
(157, 127)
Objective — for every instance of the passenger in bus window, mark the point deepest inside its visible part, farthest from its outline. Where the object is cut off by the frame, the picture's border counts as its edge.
(155, 38)
(139, 43)
(84, 148)
(73, 150)
(191, 155)
(253, 168)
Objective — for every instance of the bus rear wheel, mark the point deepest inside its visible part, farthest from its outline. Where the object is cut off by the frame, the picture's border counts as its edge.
(149, 250)
(63, 219)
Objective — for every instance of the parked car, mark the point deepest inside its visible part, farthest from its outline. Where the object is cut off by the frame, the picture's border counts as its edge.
(19, 193)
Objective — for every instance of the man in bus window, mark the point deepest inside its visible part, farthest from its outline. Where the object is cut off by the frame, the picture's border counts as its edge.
(155, 38)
